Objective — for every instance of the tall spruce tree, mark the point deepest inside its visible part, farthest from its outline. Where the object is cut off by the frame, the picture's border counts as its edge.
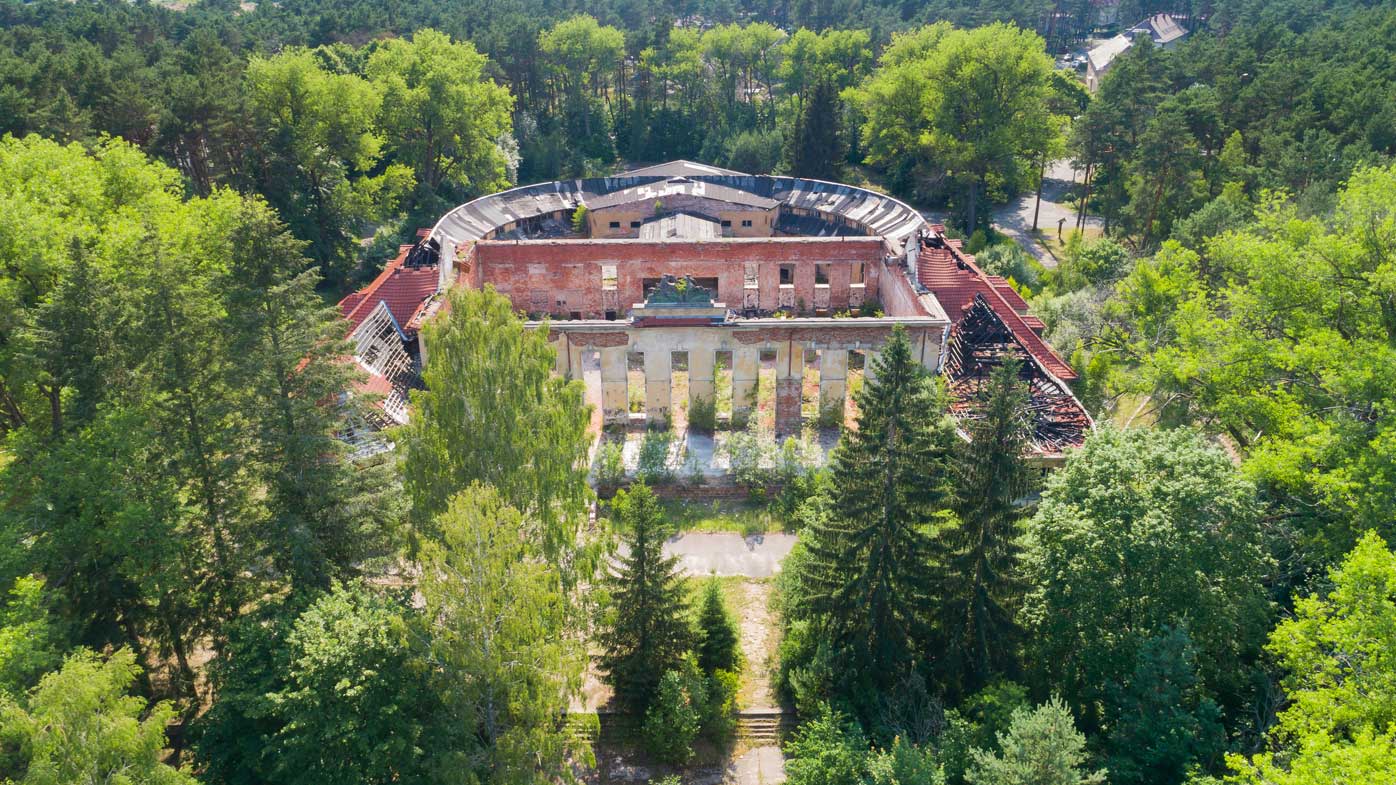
(869, 577)
(324, 514)
(981, 585)
(649, 632)
(717, 644)
(816, 146)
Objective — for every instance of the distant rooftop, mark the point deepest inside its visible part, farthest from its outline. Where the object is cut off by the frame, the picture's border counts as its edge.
(680, 226)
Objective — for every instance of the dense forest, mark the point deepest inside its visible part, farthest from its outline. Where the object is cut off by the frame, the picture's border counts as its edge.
(201, 582)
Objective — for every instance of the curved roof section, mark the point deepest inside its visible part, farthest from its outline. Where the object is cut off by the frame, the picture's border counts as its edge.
(877, 214)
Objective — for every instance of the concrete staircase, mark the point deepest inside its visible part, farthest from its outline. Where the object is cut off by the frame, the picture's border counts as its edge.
(763, 727)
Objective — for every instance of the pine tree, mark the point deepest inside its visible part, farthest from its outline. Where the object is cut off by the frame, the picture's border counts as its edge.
(649, 632)
(717, 646)
(325, 515)
(981, 585)
(869, 576)
(816, 147)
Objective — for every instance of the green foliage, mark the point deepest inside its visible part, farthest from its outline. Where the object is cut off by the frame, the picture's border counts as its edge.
(756, 152)
(1040, 747)
(80, 725)
(441, 115)
(1009, 260)
(485, 373)
(177, 459)
(320, 127)
(30, 638)
(828, 749)
(1337, 653)
(905, 764)
(579, 220)
(816, 148)
(645, 632)
(297, 691)
(1161, 726)
(750, 453)
(720, 718)
(675, 715)
(652, 463)
(981, 584)
(964, 103)
(500, 627)
(867, 583)
(1147, 508)
(717, 648)
(609, 466)
(1094, 263)
(1230, 339)
(702, 414)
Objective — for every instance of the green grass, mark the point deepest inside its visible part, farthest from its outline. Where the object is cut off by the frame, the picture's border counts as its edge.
(744, 517)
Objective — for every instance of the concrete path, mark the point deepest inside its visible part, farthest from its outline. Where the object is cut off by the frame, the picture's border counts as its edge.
(757, 766)
(1015, 218)
(728, 553)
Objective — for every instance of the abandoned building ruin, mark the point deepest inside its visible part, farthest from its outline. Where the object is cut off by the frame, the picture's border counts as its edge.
(708, 262)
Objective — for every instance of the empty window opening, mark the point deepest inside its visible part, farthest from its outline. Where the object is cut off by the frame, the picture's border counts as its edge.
(678, 388)
(746, 222)
(615, 224)
(722, 385)
(634, 224)
(576, 316)
(726, 224)
(809, 386)
(635, 382)
(752, 278)
(609, 280)
(610, 316)
(821, 274)
(765, 399)
(787, 274)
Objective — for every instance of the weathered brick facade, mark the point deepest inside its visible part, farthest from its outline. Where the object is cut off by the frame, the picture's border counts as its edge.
(565, 277)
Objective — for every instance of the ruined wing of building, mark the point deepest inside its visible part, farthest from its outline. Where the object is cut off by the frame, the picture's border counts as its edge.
(786, 266)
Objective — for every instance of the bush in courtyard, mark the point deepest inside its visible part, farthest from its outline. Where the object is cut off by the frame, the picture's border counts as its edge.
(609, 466)
(653, 463)
(750, 453)
(702, 414)
(675, 716)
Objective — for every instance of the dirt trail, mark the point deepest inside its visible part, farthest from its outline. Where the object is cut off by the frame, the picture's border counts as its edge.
(759, 638)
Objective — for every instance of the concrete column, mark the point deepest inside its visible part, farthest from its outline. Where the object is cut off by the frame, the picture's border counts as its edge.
(560, 363)
(746, 367)
(833, 381)
(790, 366)
(658, 380)
(869, 360)
(574, 361)
(615, 392)
(700, 375)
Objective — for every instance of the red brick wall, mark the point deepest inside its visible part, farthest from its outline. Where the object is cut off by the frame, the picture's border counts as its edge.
(562, 276)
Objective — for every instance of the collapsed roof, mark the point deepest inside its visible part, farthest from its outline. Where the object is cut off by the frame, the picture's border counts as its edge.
(979, 343)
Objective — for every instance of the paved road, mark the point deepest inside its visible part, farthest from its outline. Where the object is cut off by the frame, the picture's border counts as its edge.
(1015, 218)
(757, 556)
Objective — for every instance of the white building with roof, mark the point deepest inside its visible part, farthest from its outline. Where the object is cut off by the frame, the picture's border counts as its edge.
(1163, 29)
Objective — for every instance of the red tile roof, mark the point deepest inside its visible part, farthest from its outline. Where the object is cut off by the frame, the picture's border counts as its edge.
(403, 288)
(954, 279)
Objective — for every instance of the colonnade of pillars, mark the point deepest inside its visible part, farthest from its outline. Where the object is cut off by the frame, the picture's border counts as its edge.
(746, 367)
